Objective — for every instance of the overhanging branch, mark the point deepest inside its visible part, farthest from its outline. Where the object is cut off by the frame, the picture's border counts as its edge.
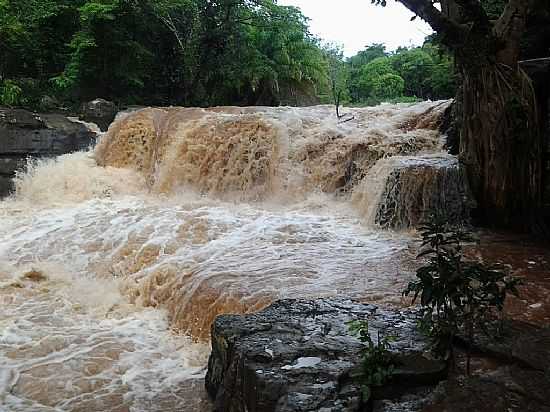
(451, 32)
(474, 12)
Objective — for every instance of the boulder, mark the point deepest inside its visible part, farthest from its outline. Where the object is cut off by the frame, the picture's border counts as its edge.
(49, 103)
(26, 134)
(99, 111)
(298, 355)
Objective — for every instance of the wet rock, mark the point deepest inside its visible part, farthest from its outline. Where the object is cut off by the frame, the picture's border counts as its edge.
(508, 388)
(518, 342)
(26, 134)
(297, 355)
(49, 103)
(450, 128)
(99, 111)
(6, 185)
(403, 191)
(414, 401)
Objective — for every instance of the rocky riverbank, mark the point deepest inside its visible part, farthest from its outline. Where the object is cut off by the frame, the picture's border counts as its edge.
(298, 355)
(25, 134)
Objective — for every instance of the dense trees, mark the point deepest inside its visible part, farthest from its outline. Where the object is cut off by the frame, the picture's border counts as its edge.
(425, 72)
(193, 52)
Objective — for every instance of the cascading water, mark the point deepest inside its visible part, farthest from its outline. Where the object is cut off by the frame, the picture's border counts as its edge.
(401, 192)
(116, 262)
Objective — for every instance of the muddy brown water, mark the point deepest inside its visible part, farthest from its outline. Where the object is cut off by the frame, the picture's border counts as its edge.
(114, 263)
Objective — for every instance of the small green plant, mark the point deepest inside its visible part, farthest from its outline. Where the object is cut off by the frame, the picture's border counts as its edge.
(456, 295)
(10, 93)
(377, 362)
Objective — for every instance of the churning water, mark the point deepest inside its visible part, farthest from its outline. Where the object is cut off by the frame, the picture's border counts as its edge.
(115, 262)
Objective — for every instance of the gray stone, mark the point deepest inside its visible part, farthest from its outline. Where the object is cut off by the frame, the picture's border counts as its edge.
(419, 186)
(49, 103)
(99, 111)
(26, 134)
(8, 165)
(6, 185)
(298, 355)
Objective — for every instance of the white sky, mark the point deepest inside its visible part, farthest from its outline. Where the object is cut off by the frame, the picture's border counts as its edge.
(358, 23)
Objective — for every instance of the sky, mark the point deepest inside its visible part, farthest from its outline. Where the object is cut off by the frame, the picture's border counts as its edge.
(357, 23)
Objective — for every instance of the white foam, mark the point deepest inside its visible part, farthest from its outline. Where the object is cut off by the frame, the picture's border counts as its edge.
(121, 270)
(307, 362)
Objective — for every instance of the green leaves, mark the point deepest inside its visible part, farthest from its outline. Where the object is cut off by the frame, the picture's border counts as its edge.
(418, 72)
(10, 93)
(181, 52)
(377, 362)
(456, 295)
(95, 10)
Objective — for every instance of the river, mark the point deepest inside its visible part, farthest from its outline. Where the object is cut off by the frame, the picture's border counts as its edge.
(115, 261)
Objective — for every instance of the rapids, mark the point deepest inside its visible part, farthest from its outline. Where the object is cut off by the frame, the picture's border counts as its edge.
(114, 262)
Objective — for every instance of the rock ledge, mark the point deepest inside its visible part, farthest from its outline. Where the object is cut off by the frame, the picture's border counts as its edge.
(297, 355)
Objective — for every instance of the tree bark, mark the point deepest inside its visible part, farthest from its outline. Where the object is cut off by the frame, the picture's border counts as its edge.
(500, 145)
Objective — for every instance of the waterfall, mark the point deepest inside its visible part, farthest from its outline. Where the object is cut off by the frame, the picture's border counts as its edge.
(114, 262)
(258, 153)
(401, 192)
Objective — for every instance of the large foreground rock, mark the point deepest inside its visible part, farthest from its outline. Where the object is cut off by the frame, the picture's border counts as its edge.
(26, 134)
(517, 343)
(297, 355)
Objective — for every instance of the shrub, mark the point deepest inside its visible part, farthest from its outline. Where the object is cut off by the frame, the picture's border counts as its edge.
(10, 93)
(456, 295)
(377, 362)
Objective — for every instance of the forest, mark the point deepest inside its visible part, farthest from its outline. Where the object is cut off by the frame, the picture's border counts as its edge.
(196, 53)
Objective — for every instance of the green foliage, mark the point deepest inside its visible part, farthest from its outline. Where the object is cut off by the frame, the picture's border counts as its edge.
(370, 77)
(494, 8)
(335, 90)
(357, 62)
(186, 52)
(388, 86)
(10, 93)
(376, 76)
(377, 362)
(456, 295)
(192, 52)
(415, 66)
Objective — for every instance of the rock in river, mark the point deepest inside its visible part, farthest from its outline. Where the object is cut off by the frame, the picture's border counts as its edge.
(26, 134)
(99, 111)
(298, 355)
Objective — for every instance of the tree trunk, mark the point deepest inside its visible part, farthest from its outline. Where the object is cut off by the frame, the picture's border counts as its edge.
(500, 143)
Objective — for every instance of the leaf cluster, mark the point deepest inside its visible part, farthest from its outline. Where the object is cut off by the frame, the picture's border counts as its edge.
(417, 72)
(158, 52)
(377, 361)
(456, 295)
